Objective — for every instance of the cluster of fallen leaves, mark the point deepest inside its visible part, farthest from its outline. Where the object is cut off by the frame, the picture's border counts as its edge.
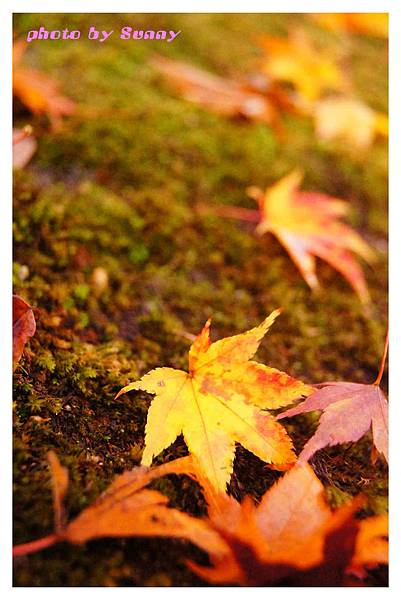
(306, 223)
(295, 76)
(225, 398)
(337, 115)
(292, 536)
(40, 95)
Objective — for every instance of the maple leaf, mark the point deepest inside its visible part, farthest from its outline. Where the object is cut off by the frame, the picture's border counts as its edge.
(24, 147)
(24, 327)
(39, 93)
(349, 120)
(222, 96)
(307, 225)
(218, 403)
(349, 410)
(375, 24)
(126, 509)
(292, 536)
(296, 61)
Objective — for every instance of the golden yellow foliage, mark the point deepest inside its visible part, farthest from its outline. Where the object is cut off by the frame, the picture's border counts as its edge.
(295, 60)
(219, 403)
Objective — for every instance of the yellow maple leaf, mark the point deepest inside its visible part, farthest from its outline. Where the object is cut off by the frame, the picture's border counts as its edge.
(295, 60)
(219, 403)
(349, 120)
(307, 225)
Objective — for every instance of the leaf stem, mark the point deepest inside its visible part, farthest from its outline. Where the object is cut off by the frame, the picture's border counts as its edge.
(383, 362)
(36, 545)
(232, 212)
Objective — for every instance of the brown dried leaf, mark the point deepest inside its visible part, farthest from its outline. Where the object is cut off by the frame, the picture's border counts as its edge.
(24, 326)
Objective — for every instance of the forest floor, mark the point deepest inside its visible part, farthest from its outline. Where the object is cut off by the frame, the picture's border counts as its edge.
(115, 190)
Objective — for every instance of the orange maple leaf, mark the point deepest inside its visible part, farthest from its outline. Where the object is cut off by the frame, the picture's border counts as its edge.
(292, 536)
(126, 509)
(39, 93)
(296, 61)
(219, 403)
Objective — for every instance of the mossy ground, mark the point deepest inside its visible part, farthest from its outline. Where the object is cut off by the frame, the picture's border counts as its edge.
(115, 189)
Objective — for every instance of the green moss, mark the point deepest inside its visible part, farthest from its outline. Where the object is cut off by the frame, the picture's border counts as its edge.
(336, 497)
(116, 190)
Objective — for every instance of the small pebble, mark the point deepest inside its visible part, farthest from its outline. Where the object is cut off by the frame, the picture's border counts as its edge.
(23, 273)
(100, 280)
